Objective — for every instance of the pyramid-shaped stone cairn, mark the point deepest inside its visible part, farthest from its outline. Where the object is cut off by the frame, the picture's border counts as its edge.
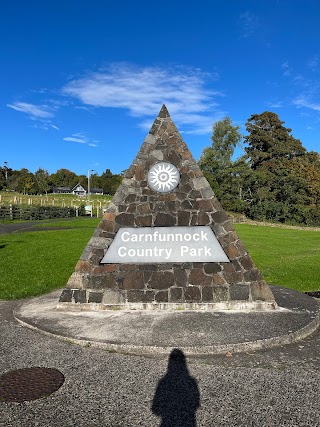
(165, 241)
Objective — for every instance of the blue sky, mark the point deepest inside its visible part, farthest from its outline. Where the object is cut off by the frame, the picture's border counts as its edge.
(82, 81)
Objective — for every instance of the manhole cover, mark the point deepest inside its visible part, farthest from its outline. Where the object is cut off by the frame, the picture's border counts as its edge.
(29, 384)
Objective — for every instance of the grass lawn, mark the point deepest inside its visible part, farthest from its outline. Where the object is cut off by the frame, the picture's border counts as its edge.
(34, 263)
(287, 257)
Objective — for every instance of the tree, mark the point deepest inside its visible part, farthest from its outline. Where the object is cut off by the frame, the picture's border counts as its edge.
(42, 179)
(268, 139)
(64, 178)
(286, 179)
(110, 182)
(217, 164)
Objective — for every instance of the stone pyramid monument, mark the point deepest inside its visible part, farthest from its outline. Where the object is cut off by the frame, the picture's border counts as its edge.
(165, 241)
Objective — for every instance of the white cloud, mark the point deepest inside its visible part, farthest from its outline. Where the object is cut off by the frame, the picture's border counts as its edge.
(35, 111)
(80, 138)
(55, 127)
(72, 139)
(249, 23)
(142, 91)
(305, 102)
(278, 104)
(313, 62)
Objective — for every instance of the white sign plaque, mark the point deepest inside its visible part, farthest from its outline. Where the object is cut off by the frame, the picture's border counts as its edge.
(165, 244)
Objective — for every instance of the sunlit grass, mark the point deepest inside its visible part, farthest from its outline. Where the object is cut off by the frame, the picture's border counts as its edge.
(287, 257)
(35, 263)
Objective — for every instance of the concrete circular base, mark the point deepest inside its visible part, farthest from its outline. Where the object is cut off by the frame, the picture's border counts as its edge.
(159, 331)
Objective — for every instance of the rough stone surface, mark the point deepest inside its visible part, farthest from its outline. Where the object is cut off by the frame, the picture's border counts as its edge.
(192, 202)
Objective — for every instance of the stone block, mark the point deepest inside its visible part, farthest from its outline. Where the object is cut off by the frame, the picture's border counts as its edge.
(203, 218)
(233, 277)
(161, 280)
(260, 291)
(140, 173)
(218, 279)
(219, 217)
(183, 218)
(220, 293)
(207, 294)
(246, 262)
(200, 183)
(192, 294)
(197, 277)
(252, 275)
(111, 296)
(77, 280)
(212, 267)
(239, 292)
(95, 297)
(66, 295)
(84, 266)
(232, 251)
(143, 221)
(102, 281)
(180, 277)
(80, 296)
(143, 209)
(109, 216)
(126, 219)
(133, 280)
(205, 205)
(176, 295)
(131, 198)
(161, 296)
(164, 220)
(137, 295)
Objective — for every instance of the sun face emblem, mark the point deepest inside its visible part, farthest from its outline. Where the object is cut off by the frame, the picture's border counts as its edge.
(163, 177)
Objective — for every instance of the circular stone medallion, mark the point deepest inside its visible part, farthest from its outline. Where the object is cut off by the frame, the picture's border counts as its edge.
(163, 177)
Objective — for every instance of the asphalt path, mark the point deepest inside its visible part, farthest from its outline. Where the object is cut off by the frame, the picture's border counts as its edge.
(275, 387)
(24, 226)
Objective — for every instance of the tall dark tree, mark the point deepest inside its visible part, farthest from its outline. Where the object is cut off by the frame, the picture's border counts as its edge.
(268, 139)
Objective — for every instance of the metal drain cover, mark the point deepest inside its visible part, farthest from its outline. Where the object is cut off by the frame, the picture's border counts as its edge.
(29, 384)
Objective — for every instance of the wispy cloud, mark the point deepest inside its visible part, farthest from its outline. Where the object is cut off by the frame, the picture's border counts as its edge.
(142, 91)
(249, 23)
(81, 138)
(313, 62)
(278, 104)
(34, 111)
(306, 86)
(304, 101)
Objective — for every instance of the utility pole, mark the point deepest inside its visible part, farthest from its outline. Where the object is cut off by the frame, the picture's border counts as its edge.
(6, 169)
(89, 173)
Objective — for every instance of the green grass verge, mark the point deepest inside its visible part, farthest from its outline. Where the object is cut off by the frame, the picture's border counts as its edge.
(35, 263)
(286, 257)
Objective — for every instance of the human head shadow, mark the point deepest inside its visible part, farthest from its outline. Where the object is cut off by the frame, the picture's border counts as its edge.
(177, 396)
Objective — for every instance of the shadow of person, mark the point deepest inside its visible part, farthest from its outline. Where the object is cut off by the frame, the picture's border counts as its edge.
(177, 396)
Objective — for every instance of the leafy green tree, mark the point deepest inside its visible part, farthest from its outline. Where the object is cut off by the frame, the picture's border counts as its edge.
(223, 174)
(110, 182)
(42, 179)
(64, 178)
